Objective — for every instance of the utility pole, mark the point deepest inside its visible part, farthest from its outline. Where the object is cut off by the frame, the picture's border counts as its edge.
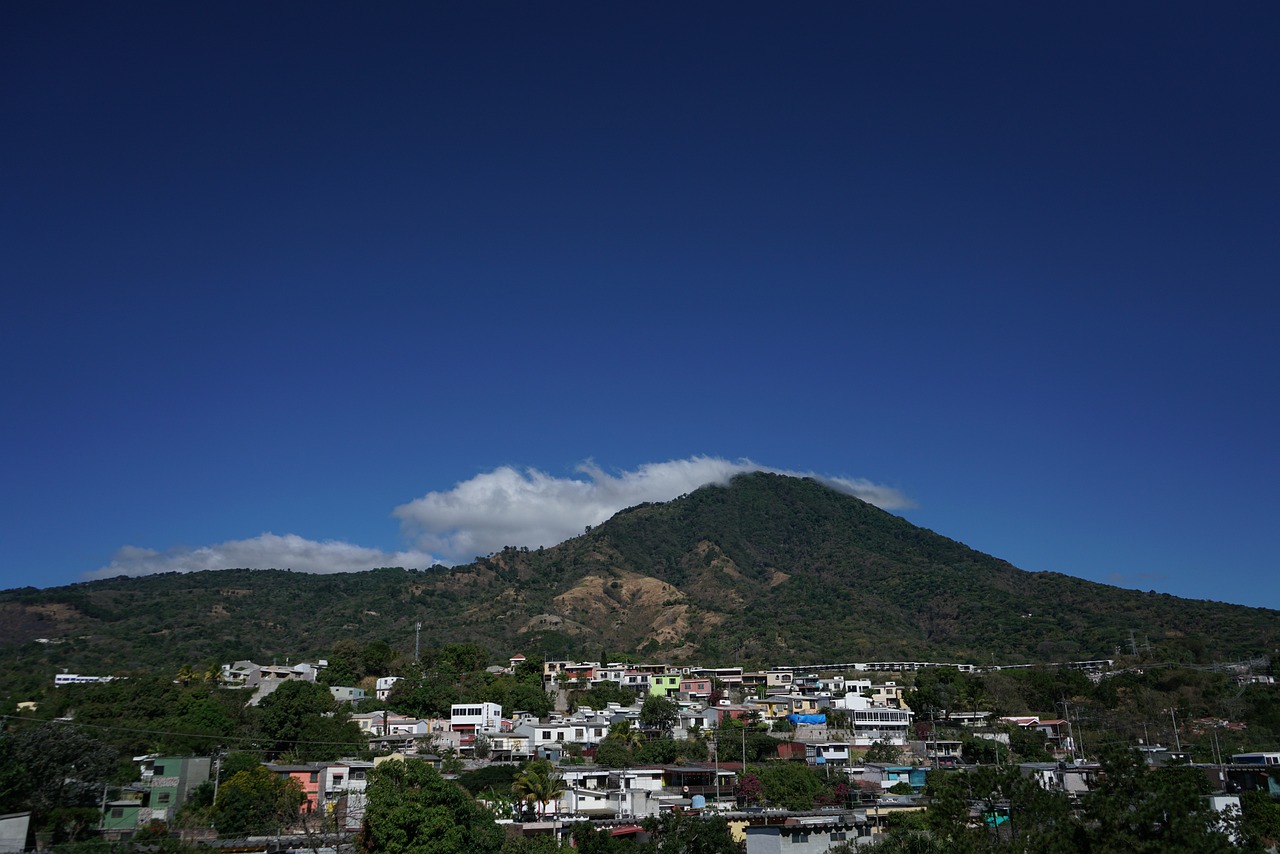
(715, 748)
(1177, 741)
(217, 772)
(1071, 732)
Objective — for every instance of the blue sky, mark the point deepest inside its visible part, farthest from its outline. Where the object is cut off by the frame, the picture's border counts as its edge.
(336, 285)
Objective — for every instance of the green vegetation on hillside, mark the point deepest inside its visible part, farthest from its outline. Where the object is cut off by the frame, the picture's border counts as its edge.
(768, 570)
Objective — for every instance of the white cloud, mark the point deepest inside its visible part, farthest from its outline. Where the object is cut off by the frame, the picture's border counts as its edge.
(507, 507)
(261, 552)
(504, 507)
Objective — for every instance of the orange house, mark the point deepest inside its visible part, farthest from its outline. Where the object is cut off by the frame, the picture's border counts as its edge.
(308, 776)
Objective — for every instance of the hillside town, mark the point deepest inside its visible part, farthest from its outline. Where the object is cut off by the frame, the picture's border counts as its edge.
(871, 758)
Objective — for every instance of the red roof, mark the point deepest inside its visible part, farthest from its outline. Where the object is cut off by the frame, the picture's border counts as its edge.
(626, 830)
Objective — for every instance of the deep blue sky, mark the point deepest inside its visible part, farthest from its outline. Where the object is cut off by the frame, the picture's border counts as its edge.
(285, 267)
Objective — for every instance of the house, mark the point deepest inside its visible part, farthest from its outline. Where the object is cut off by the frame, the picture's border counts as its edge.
(586, 793)
(475, 717)
(510, 747)
(247, 674)
(1255, 759)
(791, 751)
(384, 723)
(624, 677)
(779, 679)
(1060, 777)
(119, 821)
(827, 753)
(890, 694)
(577, 729)
(344, 785)
(62, 679)
(695, 689)
(346, 695)
(731, 676)
(806, 834)
(308, 777)
(14, 829)
(774, 707)
(727, 711)
(382, 687)
(938, 751)
(1057, 734)
(803, 704)
(888, 776)
(166, 783)
(664, 684)
(880, 723)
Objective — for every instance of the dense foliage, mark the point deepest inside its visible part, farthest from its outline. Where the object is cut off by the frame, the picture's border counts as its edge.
(411, 808)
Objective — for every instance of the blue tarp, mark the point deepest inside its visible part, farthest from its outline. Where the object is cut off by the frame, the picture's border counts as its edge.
(807, 719)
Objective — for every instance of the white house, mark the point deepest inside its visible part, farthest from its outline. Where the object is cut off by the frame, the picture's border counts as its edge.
(343, 787)
(475, 717)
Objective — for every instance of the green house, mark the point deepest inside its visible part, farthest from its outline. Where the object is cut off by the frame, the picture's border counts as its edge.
(121, 817)
(661, 685)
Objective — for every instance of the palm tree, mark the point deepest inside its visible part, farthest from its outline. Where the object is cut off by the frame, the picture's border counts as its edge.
(625, 732)
(538, 784)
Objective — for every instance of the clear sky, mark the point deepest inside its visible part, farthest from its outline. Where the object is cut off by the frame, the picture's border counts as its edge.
(332, 286)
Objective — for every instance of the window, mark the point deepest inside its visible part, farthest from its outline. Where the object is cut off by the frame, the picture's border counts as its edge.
(162, 797)
(117, 812)
(315, 775)
(158, 770)
(839, 836)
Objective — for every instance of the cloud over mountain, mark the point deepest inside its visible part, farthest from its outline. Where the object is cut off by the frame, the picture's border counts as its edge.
(503, 507)
(508, 507)
(265, 551)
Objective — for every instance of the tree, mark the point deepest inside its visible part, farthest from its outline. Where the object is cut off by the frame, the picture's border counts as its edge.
(411, 809)
(51, 766)
(592, 840)
(614, 753)
(255, 801)
(792, 785)
(1136, 809)
(1261, 823)
(543, 844)
(667, 751)
(881, 753)
(303, 720)
(688, 833)
(659, 714)
(537, 785)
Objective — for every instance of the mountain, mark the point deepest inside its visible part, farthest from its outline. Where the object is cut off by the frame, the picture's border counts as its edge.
(767, 570)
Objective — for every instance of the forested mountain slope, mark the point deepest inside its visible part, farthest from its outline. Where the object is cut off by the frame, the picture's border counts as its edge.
(767, 570)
